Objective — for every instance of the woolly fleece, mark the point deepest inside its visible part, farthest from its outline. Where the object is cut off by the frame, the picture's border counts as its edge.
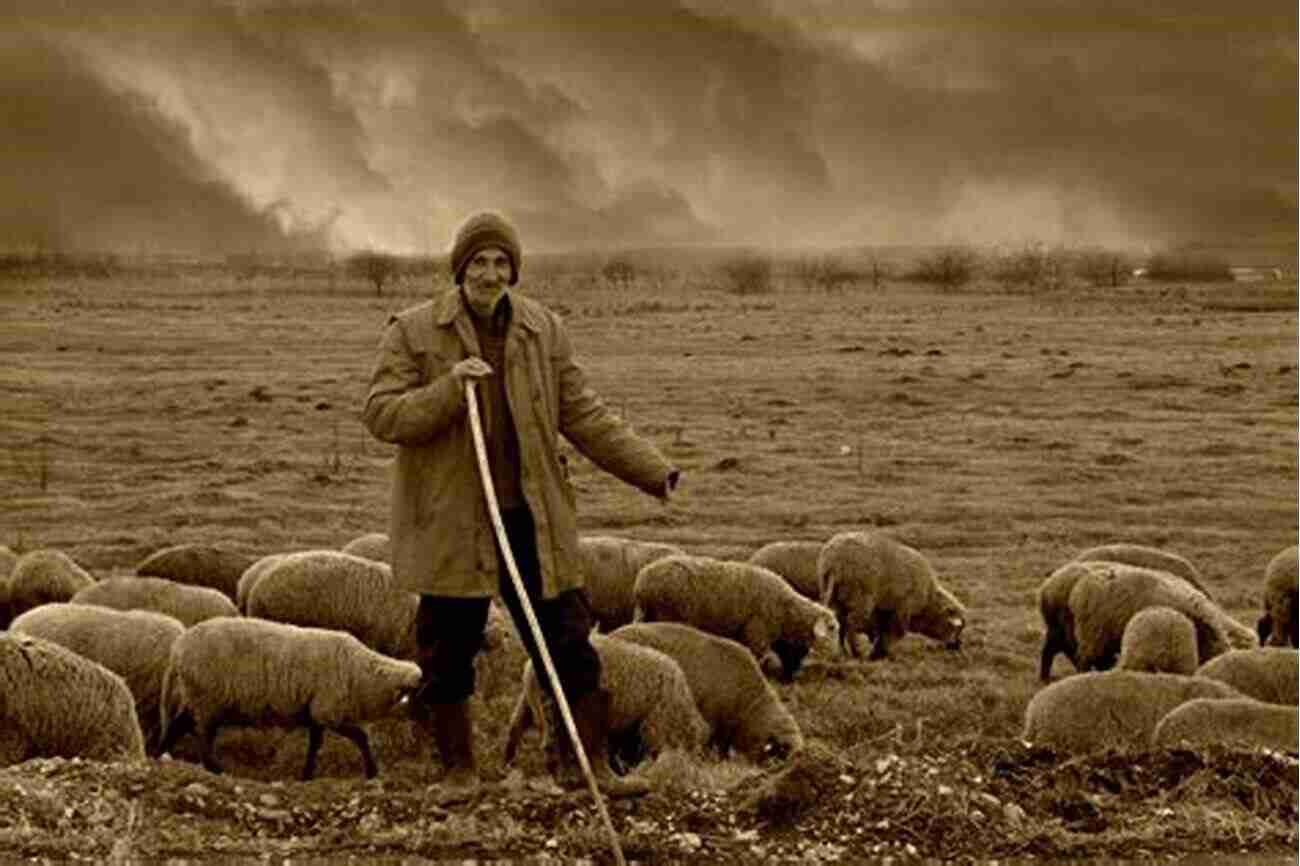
(57, 704)
(742, 708)
(880, 586)
(739, 601)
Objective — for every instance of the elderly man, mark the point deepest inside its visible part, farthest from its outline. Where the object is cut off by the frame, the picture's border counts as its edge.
(518, 354)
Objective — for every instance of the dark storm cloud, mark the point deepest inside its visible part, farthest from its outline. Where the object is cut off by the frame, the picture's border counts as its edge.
(89, 169)
(604, 123)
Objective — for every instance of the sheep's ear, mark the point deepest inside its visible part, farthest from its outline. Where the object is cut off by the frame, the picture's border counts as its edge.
(822, 629)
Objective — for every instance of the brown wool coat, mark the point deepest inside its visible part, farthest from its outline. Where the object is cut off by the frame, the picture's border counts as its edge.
(442, 538)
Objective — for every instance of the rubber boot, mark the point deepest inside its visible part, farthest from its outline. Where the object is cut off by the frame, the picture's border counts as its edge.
(591, 718)
(454, 734)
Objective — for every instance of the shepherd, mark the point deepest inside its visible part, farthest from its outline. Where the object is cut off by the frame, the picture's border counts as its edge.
(530, 389)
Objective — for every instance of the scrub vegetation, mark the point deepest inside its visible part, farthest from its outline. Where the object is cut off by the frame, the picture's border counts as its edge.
(998, 427)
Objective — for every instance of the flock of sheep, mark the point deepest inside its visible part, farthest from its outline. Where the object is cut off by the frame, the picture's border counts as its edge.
(201, 637)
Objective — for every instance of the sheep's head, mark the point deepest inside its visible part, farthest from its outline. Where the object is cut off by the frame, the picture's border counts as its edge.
(826, 632)
(943, 619)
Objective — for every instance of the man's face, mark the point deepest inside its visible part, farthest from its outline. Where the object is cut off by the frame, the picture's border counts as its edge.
(487, 275)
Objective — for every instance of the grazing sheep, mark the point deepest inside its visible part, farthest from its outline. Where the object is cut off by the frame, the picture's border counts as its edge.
(736, 600)
(1147, 557)
(649, 700)
(611, 565)
(1280, 623)
(187, 603)
(879, 586)
(1094, 711)
(198, 564)
(1239, 722)
(372, 545)
(1058, 622)
(1106, 598)
(742, 709)
(134, 644)
(251, 576)
(1159, 639)
(796, 561)
(1270, 674)
(57, 704)
(245, 671)
(332, 589)
(44, 576)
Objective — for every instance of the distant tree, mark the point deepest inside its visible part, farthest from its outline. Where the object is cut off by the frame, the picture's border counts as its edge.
(748, 274)
(1102, 267)
(376, 267)
(949, 267)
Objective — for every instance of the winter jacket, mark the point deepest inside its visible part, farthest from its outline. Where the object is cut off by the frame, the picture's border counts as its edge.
(441, 534)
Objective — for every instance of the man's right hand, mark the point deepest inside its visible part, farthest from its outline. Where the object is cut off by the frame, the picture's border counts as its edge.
(470, 368)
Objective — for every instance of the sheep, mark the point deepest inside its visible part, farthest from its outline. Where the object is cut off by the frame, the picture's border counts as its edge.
(57, 704)
(1159, 639)
(198, 564)
(736, 600)
(611, 565)
(886, 589)
(1108, 596)
(1058, 622)
(251, 576)
(1147, 557)
(7, 560)
(332, 589)
(187, 603)
(372, 545)
(1268, 674)
(1239, 721)
(43, 576)
(650, 700)
(134, 644)
(742, 709)
(1099, 710)
(242, 670)
(796, 561)
(1280, 623)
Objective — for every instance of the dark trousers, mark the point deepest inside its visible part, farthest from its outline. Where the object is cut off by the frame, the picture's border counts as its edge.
(449, 631)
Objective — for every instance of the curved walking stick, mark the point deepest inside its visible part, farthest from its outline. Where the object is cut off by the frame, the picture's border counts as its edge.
(485, 475)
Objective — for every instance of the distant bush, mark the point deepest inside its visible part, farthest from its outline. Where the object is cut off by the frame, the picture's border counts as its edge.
(1102, 267)
(1188, 267)
(747, 274)
(98, 265)
(1035, 267)
(619, 272)
(826, 273)
(949, 267)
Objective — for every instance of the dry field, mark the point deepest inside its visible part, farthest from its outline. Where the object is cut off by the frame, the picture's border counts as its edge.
(997, 432)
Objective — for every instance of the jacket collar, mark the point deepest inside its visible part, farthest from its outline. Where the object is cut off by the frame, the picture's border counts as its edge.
(448, 307)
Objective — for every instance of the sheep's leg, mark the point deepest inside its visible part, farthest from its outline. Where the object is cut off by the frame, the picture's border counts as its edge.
(209, 746)
(885, 628)
(357, 735)
(1052, 645)
(174, 729)
(315, 736)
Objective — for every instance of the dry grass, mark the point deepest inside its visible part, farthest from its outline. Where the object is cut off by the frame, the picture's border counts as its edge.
(998, 433)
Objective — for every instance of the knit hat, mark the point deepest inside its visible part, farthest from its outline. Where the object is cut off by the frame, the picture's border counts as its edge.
(479, 232)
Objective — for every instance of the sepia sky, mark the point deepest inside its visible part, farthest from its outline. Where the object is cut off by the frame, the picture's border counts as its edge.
(265, 125)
